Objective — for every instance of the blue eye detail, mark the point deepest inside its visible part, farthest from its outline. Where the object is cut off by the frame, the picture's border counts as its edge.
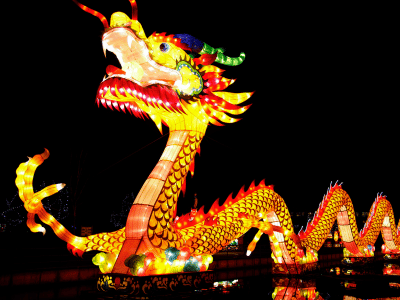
(164, 47)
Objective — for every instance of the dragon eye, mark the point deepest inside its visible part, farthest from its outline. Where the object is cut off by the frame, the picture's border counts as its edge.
(164, 47)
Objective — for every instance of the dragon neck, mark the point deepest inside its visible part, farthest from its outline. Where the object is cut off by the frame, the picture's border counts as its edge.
(154, 208)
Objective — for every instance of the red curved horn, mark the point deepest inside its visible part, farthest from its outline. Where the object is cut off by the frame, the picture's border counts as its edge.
(134, 9)
(94, 13)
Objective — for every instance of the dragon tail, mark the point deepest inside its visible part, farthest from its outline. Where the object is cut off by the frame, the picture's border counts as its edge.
(33, 204)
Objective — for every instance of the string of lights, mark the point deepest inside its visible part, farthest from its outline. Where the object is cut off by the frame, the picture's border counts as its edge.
(15, 213)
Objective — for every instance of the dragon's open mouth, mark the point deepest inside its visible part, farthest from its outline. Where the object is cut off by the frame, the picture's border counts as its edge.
(135, 60)
(141, 82)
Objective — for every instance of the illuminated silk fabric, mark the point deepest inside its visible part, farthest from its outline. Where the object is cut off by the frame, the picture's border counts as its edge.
(170, 79)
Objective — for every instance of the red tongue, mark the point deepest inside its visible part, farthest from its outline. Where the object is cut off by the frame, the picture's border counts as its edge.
(111, 70)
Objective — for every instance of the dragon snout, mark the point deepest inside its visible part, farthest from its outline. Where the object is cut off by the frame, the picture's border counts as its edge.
(136, 63)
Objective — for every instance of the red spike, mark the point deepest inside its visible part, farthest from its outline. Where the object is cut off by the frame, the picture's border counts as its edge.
(113, 83)
(209, 75)
(252, 186)
(191, 167)
(132, 87)
(98, 102)
(200, 216)
(184, 187)
(93, 12)
(240, 194)
(122, 107)
(69, 247)
(115, 104)
(128, 107)
(103, 102)
(198, 150)
(229, 201)
(134, 9)
(75, 251)
(215, 208)
(262, 183)
(219, 87)
(201, 210)
(153, 94)
(109, 104)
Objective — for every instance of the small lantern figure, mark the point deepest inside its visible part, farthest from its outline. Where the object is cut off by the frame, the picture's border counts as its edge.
(337, 269)
(336, 236)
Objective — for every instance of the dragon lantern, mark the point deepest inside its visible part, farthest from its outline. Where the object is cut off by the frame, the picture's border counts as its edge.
(171, 80)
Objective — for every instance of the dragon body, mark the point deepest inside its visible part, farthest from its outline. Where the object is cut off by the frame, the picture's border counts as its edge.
(161, 79)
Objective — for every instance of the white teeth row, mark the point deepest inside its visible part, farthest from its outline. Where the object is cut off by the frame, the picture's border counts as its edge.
(115, 104)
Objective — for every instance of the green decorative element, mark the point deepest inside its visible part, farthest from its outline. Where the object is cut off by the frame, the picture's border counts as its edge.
(191, 265)
(177, 266)
(207, 259)
(171, 254)
(134, 262)
(222, 58)
(210, 50)
(192, 82)
(99, 258)
(105, 261)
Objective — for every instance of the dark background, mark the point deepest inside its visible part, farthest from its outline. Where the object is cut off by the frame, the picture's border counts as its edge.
(324, 108)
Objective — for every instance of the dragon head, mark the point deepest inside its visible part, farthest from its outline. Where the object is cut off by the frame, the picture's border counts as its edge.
(161, 78)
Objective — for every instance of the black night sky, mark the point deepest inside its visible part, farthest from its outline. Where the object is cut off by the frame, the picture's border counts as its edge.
(324, 107)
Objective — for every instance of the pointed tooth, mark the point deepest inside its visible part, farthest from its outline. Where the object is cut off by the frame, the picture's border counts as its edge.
(109, 104)
(128, 107)
(122, 107)
(104, 48)
(116, 106)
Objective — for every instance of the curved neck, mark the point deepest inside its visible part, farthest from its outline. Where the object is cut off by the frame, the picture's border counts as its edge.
(160, 192)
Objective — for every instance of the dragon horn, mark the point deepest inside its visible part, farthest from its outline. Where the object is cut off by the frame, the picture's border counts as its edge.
(93, 12)
(222, 58)
(134, 9)
(202, 48)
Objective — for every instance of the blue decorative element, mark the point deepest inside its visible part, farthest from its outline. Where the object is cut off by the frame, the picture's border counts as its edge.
(195, 44)
(171, 254)
(191, 265)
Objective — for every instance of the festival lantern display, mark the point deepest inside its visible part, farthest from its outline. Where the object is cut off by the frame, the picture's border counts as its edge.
(171, 80)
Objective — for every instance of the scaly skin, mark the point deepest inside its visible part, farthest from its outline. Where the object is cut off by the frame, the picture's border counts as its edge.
(337, 205)
(160, 81)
